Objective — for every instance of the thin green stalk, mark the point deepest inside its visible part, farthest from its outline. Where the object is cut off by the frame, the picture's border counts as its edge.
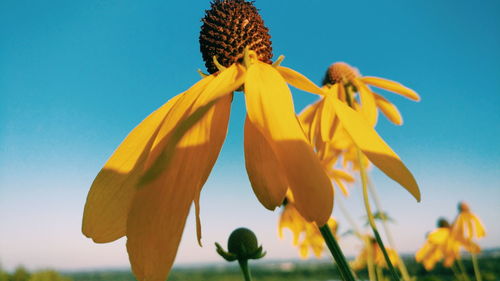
(333, 246)
(477, 272)
(401, 265)
(369, 258)
(455, 272)
(380, 274)
(462, 268)
(371, 220)
(245, 270)
(351, 221)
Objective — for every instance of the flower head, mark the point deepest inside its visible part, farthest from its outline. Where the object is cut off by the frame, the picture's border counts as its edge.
(306, 235)
(146, 188)
(371, 251)
(343, 119)
(467, 225)
(442, 245)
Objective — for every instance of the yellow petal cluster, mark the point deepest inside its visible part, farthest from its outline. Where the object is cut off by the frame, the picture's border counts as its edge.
(467, 225)
(306, 235)
(441, 244)
(371, 251)
(145, 190)
(343, 121)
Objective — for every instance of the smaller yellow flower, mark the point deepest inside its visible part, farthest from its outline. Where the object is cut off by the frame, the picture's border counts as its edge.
(467, 225)
(372, 249)
(338, 123)
(368, 101)
(441, 245)
(306, 235)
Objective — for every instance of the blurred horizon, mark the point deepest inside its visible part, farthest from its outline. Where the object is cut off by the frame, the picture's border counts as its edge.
(76, 77)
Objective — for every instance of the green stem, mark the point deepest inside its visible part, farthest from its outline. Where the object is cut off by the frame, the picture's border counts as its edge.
(455, 272)
(401, 264)
(333, 246)
(245, 269)
(371, 220)
(476, 267)
(369, 258)
(462, 268)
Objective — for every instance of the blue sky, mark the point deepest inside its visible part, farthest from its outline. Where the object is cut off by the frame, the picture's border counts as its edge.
(77, 76)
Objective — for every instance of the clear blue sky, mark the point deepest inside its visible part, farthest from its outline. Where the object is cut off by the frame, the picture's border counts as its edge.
(77, 76)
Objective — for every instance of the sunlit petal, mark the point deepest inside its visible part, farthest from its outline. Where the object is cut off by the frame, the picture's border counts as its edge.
(374, 147)
(391, 86)
(113, 189)
(368, 106)
(160, 207)
(270, 108)
(264, 169)
(188, 110)
(388, 109)
(299, 81)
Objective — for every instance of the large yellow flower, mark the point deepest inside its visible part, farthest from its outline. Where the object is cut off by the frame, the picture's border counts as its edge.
(146, 188)
(441, 244)
(306, 235)
(467, 225)
(337, 124)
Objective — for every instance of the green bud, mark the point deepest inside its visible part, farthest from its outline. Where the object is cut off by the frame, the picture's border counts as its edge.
(242, 245)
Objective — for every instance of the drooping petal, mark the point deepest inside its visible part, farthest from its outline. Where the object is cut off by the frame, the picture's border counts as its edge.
(111, 193)
(299, 81)
(306, 118)
(328, 124)
(368, 106)
(375, 148)
(388, 109)
(160, 207)
(263, 168)
(391, 86)
(270, 108)
(186, 112)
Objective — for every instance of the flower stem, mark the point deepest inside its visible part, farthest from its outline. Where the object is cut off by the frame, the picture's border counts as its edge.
(476, 267)
(371, 220)
(401, 265)
(331, 242)
(455, 272)
(244, 268)
(462, 269)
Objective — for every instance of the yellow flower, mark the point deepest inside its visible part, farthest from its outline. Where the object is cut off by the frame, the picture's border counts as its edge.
(146, 188)
(371, 248)
(467, 225)
(337, 124)
(306, 235)
(441, 245)
(368, 101)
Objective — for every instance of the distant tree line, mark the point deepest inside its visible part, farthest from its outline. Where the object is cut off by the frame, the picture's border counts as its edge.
(22, 274)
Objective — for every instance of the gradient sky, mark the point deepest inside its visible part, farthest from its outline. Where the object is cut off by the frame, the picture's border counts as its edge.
(77, 76)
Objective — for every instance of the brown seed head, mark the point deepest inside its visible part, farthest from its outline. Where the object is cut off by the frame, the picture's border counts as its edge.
(339, 71)
(463, 207)
(442, 222)
(230, 26)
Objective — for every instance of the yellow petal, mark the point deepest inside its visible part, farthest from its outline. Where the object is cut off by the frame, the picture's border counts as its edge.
(306, 118)
(480, 231)
(388, 109)
(159, 210)
(263, 168)
(299, 81)
(375, 148)
(186, 113)
(109, 198)
(328, 123)
(270, 108)
(391, 86)
(368, 106)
